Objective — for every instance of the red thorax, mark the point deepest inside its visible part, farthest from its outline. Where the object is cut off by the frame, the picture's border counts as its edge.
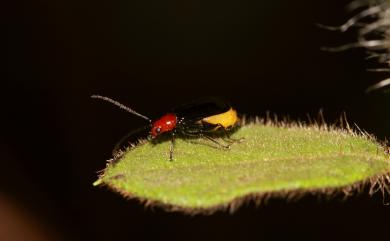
(166, 123)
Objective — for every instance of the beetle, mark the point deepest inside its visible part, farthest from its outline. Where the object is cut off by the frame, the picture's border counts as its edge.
(199, 118)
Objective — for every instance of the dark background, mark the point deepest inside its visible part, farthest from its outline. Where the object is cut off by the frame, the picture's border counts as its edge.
(152, 55)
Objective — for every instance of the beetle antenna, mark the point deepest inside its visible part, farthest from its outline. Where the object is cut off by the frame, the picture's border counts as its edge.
(120, 106)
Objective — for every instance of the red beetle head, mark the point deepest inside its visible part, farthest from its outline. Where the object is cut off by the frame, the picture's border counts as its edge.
(166, 123)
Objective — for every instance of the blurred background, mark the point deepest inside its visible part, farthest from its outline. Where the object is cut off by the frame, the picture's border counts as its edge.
(153, 55)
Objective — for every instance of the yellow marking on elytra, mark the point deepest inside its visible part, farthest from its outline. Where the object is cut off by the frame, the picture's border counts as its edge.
(226, 119)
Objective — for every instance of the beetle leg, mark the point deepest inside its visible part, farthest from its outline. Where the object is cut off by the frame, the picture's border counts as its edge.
(232, 140)
(202, 133)
(216, 142)
(228, 136)
(171, 146)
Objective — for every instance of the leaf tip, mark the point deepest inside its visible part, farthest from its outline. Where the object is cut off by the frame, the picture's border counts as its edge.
(97, 182)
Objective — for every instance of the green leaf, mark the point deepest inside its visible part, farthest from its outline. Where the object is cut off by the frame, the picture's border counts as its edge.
(271, 160)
